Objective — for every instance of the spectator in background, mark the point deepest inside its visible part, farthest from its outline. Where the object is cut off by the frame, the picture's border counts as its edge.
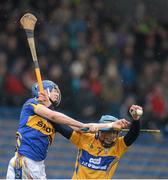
(13, 83)
(3, 71)
(127, 102)
(28, 77)
(57, 74)
(162, 43)
(110, 41)
(94, 76)
(95, 82)
(149, 75)
(156, 108)
(44, 65)
(12, 44)
(66, 60)
(85, 102)
(164, 79)
(127, 70)
(149, 51)
(112, 89)
(76, 70)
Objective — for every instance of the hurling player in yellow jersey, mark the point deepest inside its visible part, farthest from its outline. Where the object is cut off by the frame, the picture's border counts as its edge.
(99, 154)
(37, 127)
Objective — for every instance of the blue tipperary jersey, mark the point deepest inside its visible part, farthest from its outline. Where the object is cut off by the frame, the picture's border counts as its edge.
(35, 133)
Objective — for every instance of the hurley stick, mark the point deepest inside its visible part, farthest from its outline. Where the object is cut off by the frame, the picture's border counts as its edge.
(28, 22)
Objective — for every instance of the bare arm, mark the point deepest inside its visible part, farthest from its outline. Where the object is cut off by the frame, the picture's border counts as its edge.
(75, 125)
(119, 124)
(57, 117)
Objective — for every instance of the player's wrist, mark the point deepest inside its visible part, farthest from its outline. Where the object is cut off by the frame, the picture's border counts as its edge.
(136, 118)
(49, 104)
(110, 125)
(46, 103)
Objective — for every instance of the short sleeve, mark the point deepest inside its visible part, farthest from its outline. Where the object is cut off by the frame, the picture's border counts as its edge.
(76, 138)
(80, 139)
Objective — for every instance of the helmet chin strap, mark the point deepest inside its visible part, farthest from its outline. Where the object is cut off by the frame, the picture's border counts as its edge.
(54, 103)
(48, 91)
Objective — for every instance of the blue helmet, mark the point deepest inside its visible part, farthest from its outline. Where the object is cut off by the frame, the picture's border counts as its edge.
(46, 85)
(107, 119)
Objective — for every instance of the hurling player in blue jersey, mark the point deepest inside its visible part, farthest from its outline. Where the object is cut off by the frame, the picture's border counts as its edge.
(37, 129)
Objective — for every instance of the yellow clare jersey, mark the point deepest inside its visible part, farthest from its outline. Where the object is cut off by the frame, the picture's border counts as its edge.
(93, 160)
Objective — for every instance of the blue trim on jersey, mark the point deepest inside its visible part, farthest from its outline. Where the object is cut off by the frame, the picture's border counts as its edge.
(95, 162)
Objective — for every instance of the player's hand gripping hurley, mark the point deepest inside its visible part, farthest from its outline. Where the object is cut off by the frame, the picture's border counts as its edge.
(28, 22)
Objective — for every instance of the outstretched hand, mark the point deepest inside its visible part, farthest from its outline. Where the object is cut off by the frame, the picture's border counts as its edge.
(94, 127)
(120, 124)
(43, 98)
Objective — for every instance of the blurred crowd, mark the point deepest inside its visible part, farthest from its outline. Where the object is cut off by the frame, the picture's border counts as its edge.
(102, 62)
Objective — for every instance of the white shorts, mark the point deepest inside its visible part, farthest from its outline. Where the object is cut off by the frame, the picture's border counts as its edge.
(29, 169)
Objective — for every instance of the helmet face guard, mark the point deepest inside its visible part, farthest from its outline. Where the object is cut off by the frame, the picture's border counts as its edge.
(108, 136)
(47, 85)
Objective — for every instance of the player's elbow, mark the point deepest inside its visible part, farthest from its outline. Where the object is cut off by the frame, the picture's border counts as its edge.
(56, 117)
(52, 116)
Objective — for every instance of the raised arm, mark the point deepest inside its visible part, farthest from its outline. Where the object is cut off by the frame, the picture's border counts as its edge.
(133, 133)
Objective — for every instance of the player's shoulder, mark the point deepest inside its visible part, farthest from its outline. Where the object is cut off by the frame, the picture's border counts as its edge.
(31, 101)
(80, 138)
(86, 136)
(28, 107)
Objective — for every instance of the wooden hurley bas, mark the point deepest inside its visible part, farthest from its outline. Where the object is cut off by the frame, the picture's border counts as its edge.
(28, 22)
